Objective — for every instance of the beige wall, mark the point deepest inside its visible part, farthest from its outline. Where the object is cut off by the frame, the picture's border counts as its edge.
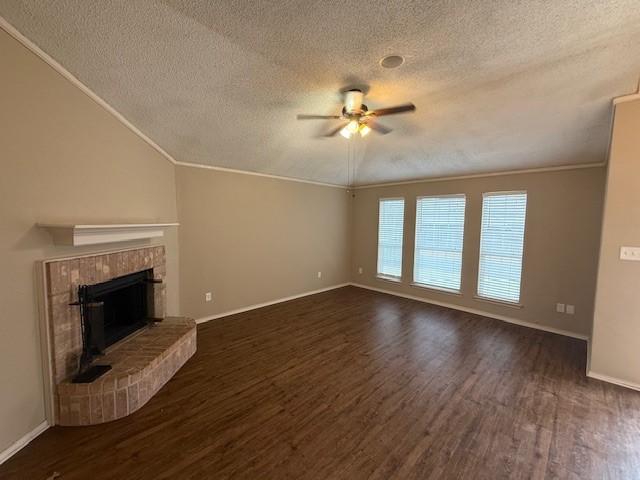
(615, 346)
(64, 158)
(561, 242)
(250, 239)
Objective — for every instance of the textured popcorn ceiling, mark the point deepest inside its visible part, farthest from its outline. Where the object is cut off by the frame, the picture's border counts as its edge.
(499, 85)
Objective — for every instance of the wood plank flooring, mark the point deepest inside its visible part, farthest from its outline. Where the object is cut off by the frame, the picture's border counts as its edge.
(353, 384)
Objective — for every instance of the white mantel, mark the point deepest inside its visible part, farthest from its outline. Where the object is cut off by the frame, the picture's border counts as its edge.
(76, 235)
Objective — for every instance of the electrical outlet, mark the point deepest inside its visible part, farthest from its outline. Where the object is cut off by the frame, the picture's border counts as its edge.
(207, 297)
(319, 274)
(359, 270)
(560, 307)
(630, 253)
(571, 309)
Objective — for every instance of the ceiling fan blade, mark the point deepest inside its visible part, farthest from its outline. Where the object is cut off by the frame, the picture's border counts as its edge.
(376, 127)
(318, 117)
(409, 107)
(335, 131)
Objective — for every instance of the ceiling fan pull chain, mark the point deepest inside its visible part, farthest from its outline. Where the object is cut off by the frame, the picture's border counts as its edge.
(353, 162)
(349, 164)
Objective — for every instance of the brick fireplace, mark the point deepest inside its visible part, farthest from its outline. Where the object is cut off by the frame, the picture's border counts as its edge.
(141, 363)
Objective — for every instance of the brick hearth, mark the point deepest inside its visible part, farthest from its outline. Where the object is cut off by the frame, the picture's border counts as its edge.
(141, 364)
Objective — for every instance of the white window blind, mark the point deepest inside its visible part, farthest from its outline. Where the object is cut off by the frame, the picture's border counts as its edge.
(390, 231)
(501, 245)
(437, 260)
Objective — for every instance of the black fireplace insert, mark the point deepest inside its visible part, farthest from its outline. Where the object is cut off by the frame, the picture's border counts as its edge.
(110, 311)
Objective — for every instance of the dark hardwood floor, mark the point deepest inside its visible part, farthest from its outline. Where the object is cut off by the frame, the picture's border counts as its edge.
(352, 384)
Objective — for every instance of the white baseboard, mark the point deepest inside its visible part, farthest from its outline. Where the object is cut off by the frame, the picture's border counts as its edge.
(22, 442)
(614, 380)
(403, 295)
(477, 312)
(266, 304)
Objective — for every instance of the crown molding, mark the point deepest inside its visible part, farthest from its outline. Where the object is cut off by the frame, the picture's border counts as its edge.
(13, 32)
(483, 175)
(258, 174)
(627, 98)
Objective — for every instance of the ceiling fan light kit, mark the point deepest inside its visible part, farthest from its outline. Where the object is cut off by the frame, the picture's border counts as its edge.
(358, 117)
(354, 127)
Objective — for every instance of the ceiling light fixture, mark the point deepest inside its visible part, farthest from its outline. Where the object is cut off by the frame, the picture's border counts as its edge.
(364, 130)
(356, 117)
(354, 127)
(351, 129)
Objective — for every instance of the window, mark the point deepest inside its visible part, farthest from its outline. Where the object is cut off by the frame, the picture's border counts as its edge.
(501, 245)
(437, 260)
(390, 231)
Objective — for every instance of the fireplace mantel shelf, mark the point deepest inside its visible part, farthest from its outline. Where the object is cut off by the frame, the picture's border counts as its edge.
(77, 235)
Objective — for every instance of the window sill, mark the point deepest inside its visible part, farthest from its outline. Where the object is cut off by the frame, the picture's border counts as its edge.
(389, 279)
(446, 291)
(502, 303)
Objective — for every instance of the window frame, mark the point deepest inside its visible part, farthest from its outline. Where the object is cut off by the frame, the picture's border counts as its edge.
(498, 301)
(427, 286)
(382, 276)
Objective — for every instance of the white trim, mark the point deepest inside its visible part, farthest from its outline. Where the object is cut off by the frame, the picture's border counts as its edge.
(106, 226)
(101, 252)
(483, 175)
(478, 312)
(614, 380)
(11, 30)
(388, 278)
(80, 235)
(505, 192)
(22, 442)
(384, 199)
(435, 289)
(46, 356)
(626, 98)
(446, 195)
(270, 302)
(258, 174)
(496, 301)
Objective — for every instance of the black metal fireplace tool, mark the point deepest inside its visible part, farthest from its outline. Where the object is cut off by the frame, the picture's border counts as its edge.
(92, 338)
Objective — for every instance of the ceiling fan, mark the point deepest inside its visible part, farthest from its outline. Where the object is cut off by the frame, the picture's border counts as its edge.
(357, 117)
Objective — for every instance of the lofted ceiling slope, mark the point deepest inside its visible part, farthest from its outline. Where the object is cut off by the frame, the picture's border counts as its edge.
(501, 85)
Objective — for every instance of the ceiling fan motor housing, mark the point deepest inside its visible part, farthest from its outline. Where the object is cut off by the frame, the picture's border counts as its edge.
(353, 101)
